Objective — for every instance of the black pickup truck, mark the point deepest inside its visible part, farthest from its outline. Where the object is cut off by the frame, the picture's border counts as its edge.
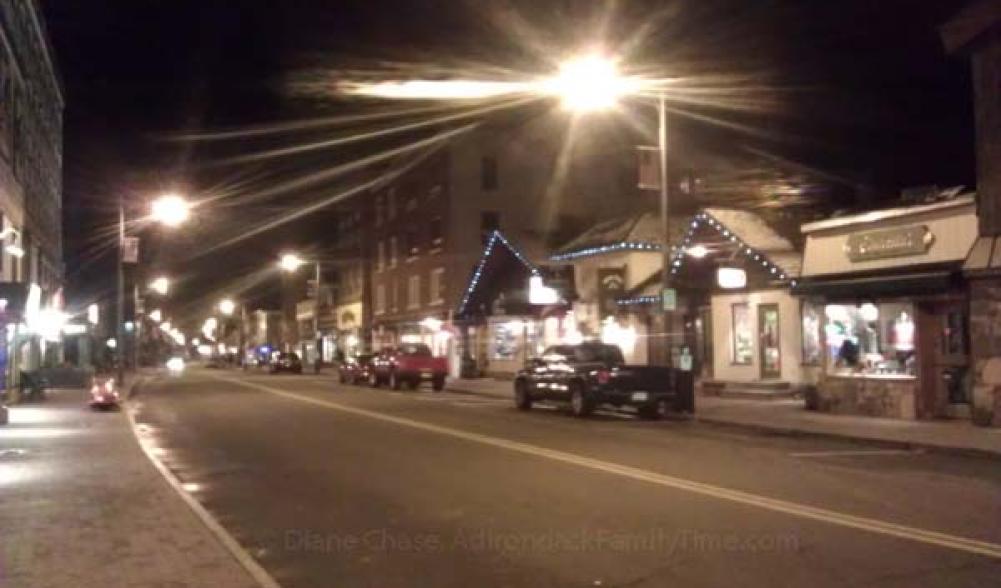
(592, 374)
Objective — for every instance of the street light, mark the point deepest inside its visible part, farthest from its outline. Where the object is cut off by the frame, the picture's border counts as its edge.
(290, 262)
(160, 285)
(170, 210)
(156, 315)
(227, 306)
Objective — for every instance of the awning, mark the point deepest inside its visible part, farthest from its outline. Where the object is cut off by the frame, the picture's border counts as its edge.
(856, 287)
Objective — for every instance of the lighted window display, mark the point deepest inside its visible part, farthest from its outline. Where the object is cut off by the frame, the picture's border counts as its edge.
(505, 340)
(812, 350)
(870, 339)
(743, 335)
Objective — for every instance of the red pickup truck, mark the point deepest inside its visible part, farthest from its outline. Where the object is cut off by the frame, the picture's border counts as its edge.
(409, 364)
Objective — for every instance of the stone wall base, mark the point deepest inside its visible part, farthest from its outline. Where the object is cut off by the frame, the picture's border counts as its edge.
(861, 396)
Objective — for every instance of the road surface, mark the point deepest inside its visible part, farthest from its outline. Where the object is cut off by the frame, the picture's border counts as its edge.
(333, 485)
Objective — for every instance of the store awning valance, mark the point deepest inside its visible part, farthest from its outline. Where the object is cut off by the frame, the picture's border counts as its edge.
(867, 286)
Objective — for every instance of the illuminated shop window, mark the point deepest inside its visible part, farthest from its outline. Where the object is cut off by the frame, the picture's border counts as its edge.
(870, 339)
(742, 341)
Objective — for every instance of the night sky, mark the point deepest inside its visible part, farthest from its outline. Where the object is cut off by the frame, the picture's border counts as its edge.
(863, 92)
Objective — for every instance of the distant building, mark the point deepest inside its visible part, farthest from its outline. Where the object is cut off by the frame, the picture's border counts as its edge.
(264, 331)
(31, 154)
(429, 228)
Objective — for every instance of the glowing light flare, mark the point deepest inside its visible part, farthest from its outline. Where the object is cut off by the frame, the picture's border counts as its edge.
(156, 316)
(227, 306)
(697, 251)
(160, 285)
(590, 82)
(290, 262)
(437, 89)
(170, 210)
(731, 277)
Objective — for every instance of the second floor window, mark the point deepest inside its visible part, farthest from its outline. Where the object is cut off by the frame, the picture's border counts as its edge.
(414, 292)
(488, 173)
(435, 227)
(412, 243)
(436, 286)
(380, 256)
(392, 251)
(380, 299)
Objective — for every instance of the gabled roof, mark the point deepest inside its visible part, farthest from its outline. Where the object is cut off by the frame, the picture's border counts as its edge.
(755, 233)
(641, 232)
(498, 248)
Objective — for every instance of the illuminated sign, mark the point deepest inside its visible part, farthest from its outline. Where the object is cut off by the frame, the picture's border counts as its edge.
(886, 243)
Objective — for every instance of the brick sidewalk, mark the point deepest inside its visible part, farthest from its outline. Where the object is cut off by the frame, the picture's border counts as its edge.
(789, 416)
(83, 506)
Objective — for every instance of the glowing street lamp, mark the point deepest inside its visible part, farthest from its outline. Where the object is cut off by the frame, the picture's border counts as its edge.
(590, 82)
(156, 315)
(160, 285)
(170, 210)
(227, 306)
(290, 262)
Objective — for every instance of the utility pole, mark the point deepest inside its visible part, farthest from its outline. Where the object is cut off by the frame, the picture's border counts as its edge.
(665, 222)
(120, 315)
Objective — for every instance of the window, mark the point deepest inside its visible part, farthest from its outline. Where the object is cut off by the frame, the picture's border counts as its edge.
(379, 211)
(411, 204)
(391, 203)
(435, 229)
(392, 252)
(412, 243)
(870, 339)
(505, 340)
(488, 173)
(414, 292)
(742, 335)
(489, 222)
(811, 319)
(380, 299)
(395, 300)
(380, 257)
(436, 286)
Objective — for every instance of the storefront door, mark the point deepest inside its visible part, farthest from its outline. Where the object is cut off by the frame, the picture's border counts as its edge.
(944, 357)
(768, 337)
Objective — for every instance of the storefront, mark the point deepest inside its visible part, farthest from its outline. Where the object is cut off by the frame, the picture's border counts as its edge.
(885, 311)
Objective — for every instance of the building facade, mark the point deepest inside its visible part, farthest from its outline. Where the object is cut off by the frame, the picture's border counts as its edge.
(429, 228)
(31, 123)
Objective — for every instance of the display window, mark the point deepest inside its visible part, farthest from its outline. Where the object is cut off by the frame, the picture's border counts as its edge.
(812, 320)
(870, 339)
(742, 341)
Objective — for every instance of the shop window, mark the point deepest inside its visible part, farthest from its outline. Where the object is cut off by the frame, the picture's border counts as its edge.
(505, 340)
(811, 321)
(870, 339)
(742, 335)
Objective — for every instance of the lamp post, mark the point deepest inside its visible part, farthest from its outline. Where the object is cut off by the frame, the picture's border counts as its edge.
(169, 210)
(290, 262)
(227, 306)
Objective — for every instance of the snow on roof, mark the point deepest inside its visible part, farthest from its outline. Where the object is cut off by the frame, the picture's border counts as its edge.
(757, 234)
(641, 228)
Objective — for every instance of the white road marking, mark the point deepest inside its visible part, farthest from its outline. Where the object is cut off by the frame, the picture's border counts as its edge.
(857, 452)
(877, 526)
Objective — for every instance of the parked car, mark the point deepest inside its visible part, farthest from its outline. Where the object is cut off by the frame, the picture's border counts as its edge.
(104, 395)
(593, 374)
(355, 370)
(286, 362)
(408, 364)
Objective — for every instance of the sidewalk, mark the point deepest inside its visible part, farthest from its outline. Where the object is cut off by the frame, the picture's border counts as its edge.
(789, 417)
(83, 506)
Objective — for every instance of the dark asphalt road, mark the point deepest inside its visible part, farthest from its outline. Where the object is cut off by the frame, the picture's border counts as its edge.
(332, 485)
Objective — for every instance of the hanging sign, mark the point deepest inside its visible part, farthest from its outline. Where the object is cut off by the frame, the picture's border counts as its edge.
(611, 287)
(669, 299)
(130, 250)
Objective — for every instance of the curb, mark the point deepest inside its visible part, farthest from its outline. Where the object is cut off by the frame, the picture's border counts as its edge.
(246, 561)
(787, 431)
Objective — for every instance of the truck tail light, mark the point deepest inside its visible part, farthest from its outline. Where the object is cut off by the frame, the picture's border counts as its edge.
(603, 376)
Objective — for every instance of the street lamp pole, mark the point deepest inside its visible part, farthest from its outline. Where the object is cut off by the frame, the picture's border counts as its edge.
(120, 323)
(316, 321)
(665, 219)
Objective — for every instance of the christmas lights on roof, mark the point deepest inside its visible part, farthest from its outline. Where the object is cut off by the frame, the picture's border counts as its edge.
(610, 248)
(487, 252)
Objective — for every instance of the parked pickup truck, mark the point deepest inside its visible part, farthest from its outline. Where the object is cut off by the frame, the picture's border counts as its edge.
(408, 364)
(593, 374)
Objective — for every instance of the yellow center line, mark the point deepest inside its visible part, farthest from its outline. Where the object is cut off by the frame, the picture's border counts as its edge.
(956, 542)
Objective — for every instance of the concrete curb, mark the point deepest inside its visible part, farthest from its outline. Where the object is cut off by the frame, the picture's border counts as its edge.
(246, 561)
(788, 431)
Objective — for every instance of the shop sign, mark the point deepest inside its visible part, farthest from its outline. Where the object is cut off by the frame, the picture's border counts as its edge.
(886, 243)
(611, 287)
